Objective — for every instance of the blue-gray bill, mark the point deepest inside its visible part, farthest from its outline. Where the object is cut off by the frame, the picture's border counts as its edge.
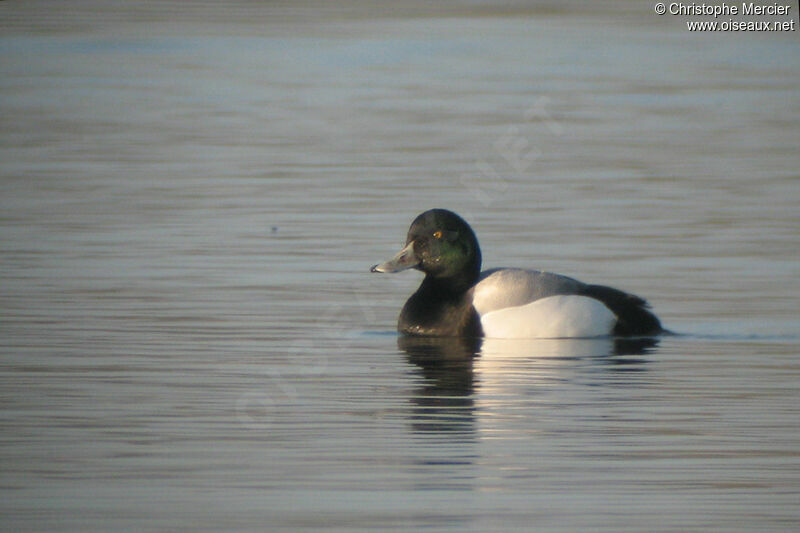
(404, 260)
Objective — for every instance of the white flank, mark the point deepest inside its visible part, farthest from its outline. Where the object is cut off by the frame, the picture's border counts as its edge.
(551, 317)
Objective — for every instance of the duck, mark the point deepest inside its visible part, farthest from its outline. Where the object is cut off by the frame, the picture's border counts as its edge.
(457, 299)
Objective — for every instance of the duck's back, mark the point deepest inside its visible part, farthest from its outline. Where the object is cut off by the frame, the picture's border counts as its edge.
(500, 288)
(515, 302)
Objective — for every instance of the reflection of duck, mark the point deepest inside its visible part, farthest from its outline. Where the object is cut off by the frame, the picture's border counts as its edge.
(500, 357)
(462, 373)
(456, 299)
(444, 403)
(523, 385)
(608, 347)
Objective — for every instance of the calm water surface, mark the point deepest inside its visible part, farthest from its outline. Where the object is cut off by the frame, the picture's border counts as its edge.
(192, 198)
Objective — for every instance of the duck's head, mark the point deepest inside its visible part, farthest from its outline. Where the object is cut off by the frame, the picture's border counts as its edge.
(441, 244)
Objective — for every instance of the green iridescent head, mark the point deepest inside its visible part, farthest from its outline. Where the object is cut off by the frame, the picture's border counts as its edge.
(441, 244)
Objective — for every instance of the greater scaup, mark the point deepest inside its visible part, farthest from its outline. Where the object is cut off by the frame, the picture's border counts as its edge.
(457, 299)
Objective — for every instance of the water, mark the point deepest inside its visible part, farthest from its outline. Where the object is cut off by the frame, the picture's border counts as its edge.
(192, 198)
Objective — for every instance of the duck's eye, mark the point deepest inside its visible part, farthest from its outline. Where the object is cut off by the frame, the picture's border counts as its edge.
(437, 234)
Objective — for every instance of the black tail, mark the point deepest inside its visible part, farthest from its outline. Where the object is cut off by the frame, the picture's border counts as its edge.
(633, 316)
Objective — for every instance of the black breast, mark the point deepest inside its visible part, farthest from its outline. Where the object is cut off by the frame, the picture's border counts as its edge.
(439, 314)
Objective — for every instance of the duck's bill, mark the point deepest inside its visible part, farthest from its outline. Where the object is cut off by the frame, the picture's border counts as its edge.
(404, 260)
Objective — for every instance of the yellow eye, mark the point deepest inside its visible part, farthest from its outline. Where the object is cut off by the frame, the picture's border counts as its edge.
(437, 234)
